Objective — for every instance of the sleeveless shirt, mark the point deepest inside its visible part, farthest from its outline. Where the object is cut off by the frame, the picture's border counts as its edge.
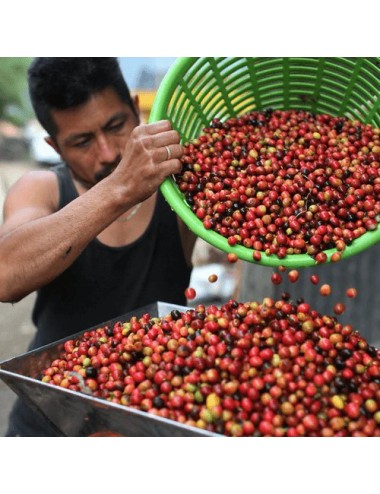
(105, 282)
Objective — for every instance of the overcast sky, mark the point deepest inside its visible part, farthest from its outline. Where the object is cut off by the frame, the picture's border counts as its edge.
(133, 66)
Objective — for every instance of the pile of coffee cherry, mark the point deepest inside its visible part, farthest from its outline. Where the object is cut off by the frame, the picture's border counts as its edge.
(285, 182)
(269, 368)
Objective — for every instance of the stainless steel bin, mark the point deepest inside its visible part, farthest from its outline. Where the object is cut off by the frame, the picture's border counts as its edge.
(76, 414)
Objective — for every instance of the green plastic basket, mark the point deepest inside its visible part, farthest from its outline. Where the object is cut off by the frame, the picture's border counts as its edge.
(196, 90)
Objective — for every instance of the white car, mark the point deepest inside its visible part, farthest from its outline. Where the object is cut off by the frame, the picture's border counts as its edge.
(39, 149)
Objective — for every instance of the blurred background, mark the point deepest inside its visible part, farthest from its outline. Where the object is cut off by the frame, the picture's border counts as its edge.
(22, 148)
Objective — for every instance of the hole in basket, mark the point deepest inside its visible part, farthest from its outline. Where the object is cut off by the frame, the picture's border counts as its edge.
(307, 98)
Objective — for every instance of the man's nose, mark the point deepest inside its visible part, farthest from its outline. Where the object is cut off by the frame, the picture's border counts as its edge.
(108, 151)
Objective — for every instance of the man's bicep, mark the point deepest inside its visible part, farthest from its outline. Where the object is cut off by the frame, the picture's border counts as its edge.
(33, 196)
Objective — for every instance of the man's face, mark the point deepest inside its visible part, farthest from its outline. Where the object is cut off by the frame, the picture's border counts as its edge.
(91, 137)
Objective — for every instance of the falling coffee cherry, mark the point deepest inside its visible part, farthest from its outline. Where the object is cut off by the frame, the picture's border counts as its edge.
(351, 292)
(314, 278)
(276, 278)
(212, 278)
(293, 275)
(325, 290)
(339, 308)
(232, 257)
(190, 293)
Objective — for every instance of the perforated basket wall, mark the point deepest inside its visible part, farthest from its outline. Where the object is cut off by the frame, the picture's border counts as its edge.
(196, 90)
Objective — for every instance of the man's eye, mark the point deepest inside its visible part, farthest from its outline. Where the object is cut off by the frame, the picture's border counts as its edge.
(117, 126)
(82, 144)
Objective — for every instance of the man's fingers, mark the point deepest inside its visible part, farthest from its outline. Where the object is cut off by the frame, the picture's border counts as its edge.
(157, 127)
(165, 138)
(165, 145)
(173, 151)
(170, 167)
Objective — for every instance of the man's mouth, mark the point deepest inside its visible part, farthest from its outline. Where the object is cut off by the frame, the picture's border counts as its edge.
(99, 176)
(104, 173)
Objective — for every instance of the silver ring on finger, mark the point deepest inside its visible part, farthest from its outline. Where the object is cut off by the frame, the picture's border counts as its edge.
(169, 153)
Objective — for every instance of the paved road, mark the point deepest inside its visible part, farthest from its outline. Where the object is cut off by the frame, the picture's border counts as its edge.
(16, 328)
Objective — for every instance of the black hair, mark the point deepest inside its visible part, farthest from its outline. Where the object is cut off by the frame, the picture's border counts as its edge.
(60, 83)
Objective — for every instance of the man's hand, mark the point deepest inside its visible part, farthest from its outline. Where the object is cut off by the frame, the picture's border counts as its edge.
(152, 153)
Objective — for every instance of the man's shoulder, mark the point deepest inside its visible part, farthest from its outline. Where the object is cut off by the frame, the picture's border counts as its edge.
(39, 181)
(33, 195)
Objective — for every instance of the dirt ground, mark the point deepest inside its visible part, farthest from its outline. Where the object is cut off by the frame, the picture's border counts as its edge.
(16, 331)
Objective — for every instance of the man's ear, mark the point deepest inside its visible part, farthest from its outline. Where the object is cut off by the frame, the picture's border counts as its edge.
(53, 144)
(136, 104)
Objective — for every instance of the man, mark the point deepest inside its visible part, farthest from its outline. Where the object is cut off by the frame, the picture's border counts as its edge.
(93, 236)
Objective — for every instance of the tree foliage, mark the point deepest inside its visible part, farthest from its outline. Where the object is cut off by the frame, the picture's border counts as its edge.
(14, 99)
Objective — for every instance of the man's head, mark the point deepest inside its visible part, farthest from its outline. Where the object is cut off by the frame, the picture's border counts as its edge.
(59, 83)
(85, 106)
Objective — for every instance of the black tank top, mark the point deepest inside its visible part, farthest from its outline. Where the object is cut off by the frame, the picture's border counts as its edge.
(105, 282)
